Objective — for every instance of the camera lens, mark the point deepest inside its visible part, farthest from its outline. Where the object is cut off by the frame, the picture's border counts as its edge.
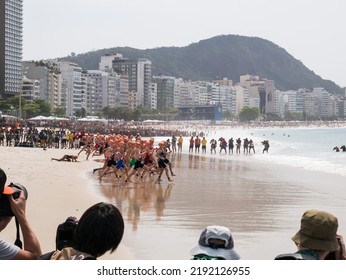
(5, 206)
(20, 187)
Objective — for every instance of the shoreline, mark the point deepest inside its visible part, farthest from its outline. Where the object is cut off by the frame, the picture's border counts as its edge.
(237, 188)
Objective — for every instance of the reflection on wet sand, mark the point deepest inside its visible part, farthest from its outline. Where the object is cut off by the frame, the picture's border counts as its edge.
(136, 197)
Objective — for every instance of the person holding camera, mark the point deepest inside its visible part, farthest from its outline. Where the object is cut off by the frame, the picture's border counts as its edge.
(99, 230)
(8, 251)
(317, 238)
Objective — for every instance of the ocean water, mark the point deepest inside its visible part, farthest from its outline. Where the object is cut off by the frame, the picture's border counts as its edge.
(306, 148)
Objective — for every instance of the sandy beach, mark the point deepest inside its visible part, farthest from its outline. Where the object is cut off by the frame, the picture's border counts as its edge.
(261, 204)
(56, 190)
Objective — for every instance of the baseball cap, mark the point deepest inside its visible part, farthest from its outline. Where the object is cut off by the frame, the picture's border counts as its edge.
(4, 189)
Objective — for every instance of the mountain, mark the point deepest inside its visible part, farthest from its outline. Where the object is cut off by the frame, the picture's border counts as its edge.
(222, 56)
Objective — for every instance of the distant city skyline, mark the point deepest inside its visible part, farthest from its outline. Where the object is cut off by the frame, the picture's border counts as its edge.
(311, 31)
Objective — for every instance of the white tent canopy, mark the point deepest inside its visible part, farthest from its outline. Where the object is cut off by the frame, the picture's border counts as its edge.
(92, 119)
(153, 121)
(50, 118)
(38, 118)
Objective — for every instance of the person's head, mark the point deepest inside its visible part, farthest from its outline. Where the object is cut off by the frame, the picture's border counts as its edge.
(317, 231)
(100, 229)
(4, 189)
(215, 242)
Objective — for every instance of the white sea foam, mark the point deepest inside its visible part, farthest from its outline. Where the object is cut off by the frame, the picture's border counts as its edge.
(307, 148)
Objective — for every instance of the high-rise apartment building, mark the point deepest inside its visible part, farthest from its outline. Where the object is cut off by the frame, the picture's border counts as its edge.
(73, 93)
(139, 76)
(11, 25)
(165, 91)
(104, 91)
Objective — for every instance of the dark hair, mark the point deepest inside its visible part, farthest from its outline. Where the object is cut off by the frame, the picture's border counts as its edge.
(3, 179)
(100, 229)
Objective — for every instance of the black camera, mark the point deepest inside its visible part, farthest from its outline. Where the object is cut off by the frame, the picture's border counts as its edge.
(65, 233)
(5, 206)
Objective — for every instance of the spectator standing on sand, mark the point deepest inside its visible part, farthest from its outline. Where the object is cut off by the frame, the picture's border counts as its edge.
(192, 143)
(213, 145)
(230, 145)
(204, 145)
(180, 143)
(174, 144)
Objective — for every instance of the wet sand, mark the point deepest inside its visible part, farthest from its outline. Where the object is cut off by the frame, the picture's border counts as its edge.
(260, 203)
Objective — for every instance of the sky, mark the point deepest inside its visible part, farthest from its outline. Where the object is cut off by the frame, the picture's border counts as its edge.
(312, 31)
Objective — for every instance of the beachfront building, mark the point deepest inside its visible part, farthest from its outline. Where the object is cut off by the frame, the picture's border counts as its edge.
(201, 93)
(269, 102)
(165, 92)
(103, 90)
(279, 104)
(153, 95)
(311, 105)
(254, 97)
(38, 72)
(122, 91)
(49, 80)
(73, 93)
(290, 98)
(54, 89)
(106, 61)
(316, 104)
(185, 96)
(221, 93)
(226, 93)
(30, 89)
(11, 34)
(254, 85)
(138, 72)
(325, 101)
(120, 96)
(133, 100)
(224, 81)
(342, 108)
(240, 99)
(88, 89)
(261, 92)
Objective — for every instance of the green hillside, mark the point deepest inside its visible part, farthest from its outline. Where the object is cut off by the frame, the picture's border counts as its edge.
(223, 56)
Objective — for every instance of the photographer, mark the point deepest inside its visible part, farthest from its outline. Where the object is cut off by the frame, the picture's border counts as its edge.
(32, 248)
(317, 238)
(99, 230)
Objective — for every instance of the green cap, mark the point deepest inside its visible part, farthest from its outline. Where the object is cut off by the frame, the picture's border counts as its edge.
(318, 231)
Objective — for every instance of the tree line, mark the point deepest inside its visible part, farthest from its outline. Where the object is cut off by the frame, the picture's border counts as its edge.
(37, 107)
